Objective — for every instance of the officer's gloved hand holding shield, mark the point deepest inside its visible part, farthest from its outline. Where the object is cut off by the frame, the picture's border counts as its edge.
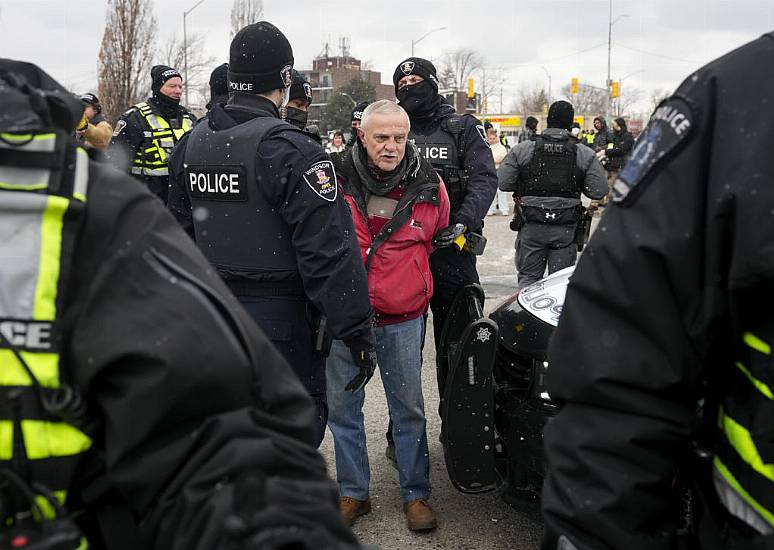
(446, 236)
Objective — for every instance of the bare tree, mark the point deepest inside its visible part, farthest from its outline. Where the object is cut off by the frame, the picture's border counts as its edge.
(491, 83)
(245, 12)
(628, 99)
(199, 66)
(589, 100)
(657, 96)
(530, 99)
(457, 66)
(126, 55)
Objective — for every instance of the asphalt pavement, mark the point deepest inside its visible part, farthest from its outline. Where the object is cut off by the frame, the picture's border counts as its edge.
(466, 522)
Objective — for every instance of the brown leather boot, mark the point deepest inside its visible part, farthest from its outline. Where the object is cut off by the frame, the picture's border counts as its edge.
(419, 515)
(351, 509)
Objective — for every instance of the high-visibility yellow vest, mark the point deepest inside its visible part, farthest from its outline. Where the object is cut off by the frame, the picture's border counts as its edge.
(43, 188)
(152, 156)
(744, 463)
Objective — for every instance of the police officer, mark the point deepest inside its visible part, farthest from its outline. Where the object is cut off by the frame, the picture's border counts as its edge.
(94, 130)
(268, 215)
(296, 112)
(133, 383)
(145, 135)
(218, 86)
(457, 148)
(671, 308)
(356, 119)
(547, 176)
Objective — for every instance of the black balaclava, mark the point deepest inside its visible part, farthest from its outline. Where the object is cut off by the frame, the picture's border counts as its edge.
(159, 75)
(299, 89)
(560, 115)
(218, 85)
(419, 100)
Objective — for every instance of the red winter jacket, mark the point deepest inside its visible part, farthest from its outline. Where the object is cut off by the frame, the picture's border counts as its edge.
(399, 281)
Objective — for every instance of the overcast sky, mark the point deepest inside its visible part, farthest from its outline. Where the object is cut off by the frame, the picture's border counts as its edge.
(655, 45)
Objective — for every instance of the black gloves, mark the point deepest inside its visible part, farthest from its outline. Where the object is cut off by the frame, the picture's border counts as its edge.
(365, 360)
(446, 236)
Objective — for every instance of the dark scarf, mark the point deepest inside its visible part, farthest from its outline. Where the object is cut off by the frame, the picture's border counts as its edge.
(168, 107)
(379, 182)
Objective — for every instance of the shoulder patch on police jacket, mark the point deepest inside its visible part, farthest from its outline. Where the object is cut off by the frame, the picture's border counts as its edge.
(669, 126)
(120, 125)
(321, 178)
(482, 133)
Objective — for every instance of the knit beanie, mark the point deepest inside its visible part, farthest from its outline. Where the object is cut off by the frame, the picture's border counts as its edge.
(260, 59)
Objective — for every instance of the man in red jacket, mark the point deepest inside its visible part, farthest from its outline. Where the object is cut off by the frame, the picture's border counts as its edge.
(398, 203)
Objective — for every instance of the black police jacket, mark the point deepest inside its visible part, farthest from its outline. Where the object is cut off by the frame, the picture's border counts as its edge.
(295, 183)
(461, 148)
(680, 265)
(202, 418)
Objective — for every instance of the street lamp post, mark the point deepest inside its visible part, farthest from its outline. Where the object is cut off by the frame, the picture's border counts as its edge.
(349, 97)
(185, 49)
(549, 83)
(418, 40)
(611, 22)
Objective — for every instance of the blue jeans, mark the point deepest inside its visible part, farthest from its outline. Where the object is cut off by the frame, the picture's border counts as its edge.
(399, 353)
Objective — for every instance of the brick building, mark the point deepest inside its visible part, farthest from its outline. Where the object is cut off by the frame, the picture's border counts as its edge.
(329, 74)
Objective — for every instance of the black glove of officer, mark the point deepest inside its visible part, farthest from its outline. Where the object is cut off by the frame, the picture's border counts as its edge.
(446, 236)
(364, 356)
(365, 360)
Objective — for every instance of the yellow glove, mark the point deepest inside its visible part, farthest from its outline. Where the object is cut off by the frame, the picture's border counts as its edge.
(83, 124)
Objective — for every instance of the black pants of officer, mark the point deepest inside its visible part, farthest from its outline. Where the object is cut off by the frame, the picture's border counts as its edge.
(158, 185)
(540, 246)
(288, 323)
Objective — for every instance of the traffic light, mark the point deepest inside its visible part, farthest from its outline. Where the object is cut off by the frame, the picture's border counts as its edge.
(574, 86)
(471, 92)
(615, 89)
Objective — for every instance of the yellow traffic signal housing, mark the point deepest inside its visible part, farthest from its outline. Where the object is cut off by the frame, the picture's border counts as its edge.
(471, 92)
(574, 86)
(615, 89)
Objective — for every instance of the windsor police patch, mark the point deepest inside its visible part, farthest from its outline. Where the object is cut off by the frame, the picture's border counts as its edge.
(669, 127)
(308, 91)
(321, 178)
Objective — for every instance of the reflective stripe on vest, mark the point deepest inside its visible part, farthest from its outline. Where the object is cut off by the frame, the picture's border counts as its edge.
(152, 157)
(39, 210)
(743, 472)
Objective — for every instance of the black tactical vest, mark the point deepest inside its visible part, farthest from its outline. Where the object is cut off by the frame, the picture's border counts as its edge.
(442, 149)
(236, 227)
(552, 170)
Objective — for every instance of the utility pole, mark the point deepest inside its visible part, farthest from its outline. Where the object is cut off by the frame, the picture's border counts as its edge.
(609, 52)
(185, 49)
(608, 82)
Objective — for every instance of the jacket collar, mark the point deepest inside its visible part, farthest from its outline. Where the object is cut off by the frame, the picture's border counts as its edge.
(255, 105)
